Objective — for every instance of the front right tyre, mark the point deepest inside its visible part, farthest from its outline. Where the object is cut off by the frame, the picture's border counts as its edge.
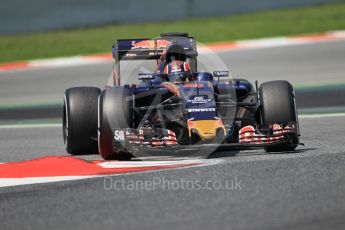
(115, 111)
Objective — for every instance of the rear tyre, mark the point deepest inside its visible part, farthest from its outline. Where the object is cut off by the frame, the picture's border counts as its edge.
(80, 120)
(278, 105)
(115, 112)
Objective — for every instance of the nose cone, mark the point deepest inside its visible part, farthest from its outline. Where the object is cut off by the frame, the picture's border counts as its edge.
(206, 129)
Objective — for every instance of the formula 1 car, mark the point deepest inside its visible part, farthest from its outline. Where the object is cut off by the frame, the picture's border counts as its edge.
(165, 113)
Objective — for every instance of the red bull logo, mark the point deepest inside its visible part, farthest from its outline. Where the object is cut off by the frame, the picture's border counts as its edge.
(150, 44)
(162, 44)
(144, 44)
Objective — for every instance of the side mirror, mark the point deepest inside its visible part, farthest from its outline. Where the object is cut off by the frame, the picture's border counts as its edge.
(221, 73)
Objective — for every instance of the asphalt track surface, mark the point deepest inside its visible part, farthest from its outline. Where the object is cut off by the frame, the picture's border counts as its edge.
(297, 190)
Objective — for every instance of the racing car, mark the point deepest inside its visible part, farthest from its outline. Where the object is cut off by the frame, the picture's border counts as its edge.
(176, 107)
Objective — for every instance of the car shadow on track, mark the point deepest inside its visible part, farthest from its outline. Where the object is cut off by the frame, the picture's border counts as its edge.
(221, 154)
(214, 155)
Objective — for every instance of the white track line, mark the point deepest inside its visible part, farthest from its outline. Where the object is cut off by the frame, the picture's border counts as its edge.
(7, 182)
(24, 126)
(322, 115)
(64, 62)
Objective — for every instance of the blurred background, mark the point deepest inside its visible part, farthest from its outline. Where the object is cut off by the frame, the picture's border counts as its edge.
(47, 46)
(45, 29)
(17, 16)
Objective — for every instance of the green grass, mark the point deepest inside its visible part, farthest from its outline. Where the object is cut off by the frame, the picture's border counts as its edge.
(243, 26)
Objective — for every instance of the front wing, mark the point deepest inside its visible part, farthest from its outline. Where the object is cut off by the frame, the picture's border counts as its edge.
(161, 142)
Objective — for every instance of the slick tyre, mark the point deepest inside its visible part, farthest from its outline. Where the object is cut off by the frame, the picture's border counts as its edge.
(278, 105)
(115, 112)
(80, 120)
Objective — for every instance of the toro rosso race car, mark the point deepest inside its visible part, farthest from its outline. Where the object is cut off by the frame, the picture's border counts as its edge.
(177, 109)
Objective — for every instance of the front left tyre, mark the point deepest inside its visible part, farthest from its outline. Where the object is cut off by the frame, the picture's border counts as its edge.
(80, 112)
(278, 105)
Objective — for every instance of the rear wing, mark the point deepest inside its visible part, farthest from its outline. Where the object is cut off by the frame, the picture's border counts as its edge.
(142, 49)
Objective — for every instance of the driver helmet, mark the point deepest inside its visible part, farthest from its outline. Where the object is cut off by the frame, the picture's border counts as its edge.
(178, 71)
